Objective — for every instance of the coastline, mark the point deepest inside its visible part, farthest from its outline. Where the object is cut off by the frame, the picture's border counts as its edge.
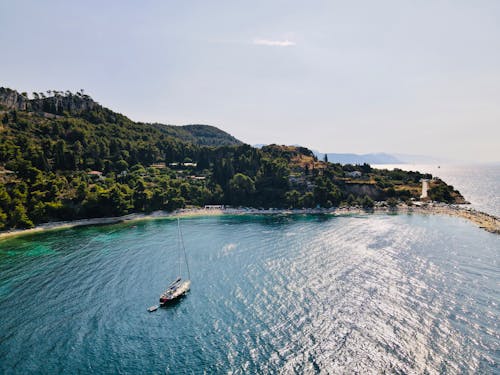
(483, 220)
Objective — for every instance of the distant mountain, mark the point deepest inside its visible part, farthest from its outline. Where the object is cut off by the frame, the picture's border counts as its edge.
(381, 158)
(374, 158)
(422, 159)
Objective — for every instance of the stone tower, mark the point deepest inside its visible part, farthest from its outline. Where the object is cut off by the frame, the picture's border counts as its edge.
(425, 187)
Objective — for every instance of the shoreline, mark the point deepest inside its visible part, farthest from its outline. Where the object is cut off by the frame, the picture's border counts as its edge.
(483, 220)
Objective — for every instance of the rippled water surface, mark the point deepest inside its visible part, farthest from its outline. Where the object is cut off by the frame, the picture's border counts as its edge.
(304, 294)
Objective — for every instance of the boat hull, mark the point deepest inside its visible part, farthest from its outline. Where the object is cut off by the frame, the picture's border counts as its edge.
(170, 295)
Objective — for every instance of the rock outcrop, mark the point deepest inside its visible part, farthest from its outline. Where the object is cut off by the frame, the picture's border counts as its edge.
(373, 191)
(11, 99)
(58, 103)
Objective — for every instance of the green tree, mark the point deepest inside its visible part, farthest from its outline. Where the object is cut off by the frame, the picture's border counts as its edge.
(392, 202)
(441, 193)
(271, 182)
(351, 200)
(3, 219)
(19, 218)
(77, 154)
(367, 202)
(142, 196)
(120, 199)
(366, 168)
(60, 155)
(121, 166)
(307, 200)
(292, 198)
(321, 190)
(81, 191)
(241, 189)
(5, 199)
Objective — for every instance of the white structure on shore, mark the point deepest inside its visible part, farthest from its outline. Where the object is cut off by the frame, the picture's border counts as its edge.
(214, 207)
(425, 187)
(354, 174)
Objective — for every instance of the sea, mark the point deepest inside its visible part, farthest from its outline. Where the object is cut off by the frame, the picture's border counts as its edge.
(288, 294)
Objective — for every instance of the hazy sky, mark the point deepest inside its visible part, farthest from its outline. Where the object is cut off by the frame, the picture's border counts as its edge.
(337, 76)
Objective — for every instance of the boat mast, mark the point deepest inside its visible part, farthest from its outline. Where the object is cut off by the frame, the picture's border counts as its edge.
(179, 245)
(181, 238)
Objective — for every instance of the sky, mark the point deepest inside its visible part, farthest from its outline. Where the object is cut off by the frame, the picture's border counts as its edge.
(400, 76)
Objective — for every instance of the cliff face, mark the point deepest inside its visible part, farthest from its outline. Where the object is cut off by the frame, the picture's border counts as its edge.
(373, 191)
(11, 99)
(56, 104)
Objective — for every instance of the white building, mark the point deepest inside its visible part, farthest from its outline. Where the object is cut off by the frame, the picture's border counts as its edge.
(425, 187)
(214, 206)
(354, 174)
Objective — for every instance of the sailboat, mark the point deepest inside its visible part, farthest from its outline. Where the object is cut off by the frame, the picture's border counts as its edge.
(178, 287)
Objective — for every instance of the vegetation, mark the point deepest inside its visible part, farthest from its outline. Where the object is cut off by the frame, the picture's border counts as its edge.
(64, 157)
(201, 135)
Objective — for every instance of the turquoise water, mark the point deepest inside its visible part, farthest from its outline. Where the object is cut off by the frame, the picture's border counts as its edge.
(302, 294)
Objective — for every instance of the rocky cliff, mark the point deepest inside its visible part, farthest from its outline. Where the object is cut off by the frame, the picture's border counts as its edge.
(373, 191)
(11, 99)
(57, 103)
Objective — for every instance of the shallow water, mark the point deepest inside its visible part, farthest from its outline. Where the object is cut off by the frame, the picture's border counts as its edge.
(404, 294)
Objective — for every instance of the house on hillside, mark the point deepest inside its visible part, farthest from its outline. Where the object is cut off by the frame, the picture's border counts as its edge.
(6, 171)
(180, 165)
(354, 174)
(158, 165)
(96, 175)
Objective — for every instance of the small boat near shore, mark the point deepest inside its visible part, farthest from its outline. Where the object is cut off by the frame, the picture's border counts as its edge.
(179, 287)
(153, 308)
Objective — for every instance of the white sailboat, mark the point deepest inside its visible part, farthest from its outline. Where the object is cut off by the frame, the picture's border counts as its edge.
(178, 287)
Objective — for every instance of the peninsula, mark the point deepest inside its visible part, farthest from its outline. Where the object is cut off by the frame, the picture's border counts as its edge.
(64, 157)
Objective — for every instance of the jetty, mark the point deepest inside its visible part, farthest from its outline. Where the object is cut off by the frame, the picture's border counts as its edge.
(484, 220)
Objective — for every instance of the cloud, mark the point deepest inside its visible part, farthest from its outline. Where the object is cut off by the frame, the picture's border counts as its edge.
(273, 43)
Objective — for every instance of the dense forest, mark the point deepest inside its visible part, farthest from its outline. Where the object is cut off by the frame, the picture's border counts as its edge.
(63, 157)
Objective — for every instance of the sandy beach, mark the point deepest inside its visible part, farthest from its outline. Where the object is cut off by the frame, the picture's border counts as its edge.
(483, 220)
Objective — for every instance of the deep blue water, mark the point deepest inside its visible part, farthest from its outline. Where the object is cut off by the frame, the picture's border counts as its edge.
(303, 294)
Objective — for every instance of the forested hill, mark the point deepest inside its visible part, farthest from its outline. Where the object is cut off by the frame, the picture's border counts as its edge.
(201, 135)
(58, 103)
(63, 157)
